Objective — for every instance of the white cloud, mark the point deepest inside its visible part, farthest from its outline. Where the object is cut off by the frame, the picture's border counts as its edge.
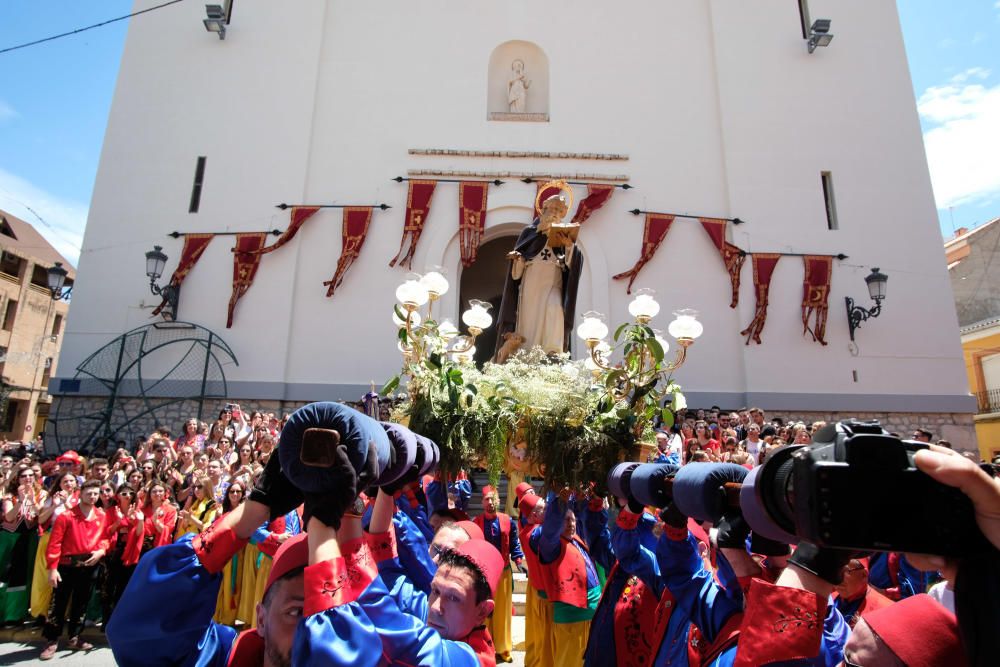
(7, 112)
(964, 138)
(66, 219)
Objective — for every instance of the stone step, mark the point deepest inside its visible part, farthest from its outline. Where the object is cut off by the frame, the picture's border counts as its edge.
(520, 600)
(520, 583)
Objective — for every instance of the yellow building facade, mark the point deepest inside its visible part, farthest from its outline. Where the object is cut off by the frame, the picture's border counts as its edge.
(981, 347)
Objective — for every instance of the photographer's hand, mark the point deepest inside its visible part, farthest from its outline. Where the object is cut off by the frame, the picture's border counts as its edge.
(953, 469)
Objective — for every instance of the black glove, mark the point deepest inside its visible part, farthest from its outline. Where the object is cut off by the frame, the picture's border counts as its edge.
(827, 564)
(733, 531)
(673, 517)
(767, 547)
(634, 506)
(274, 490)
(522, 568)
(330, 507)
(411, 475)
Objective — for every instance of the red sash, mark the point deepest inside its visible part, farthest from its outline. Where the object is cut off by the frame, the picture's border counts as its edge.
(481, 642)
(640, 622)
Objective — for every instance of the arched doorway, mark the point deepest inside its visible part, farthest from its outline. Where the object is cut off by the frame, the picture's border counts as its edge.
(484, 281)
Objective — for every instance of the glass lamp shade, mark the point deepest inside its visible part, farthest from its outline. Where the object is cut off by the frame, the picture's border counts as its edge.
(435, 282)
(644, 306)
(876, 284)
(404, 349)
(478, 315)
(155, 261)
(686, 326)
(447, 330)
(401, 324)
(592, 327)
(57, 278)
(412, 293)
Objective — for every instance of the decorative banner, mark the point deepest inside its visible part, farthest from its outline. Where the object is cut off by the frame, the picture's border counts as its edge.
(763, 268)
(550, 191)
(655, 230)
(298, 217)
(471, 218)
(815, 293)
(732, 256)
(418, 204)
(194, 248)
(245, 262)
(597, 196)
(355, 229)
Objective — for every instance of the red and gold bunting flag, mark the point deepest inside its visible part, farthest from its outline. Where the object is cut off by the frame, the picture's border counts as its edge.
(418, 205)
(298, 218)
(355, 229)
(471, 218)
(597, 196)
(194, 248)
(732, 256)
(550, 191)
(815, 294)
(245, 262)
(763, 268)
(653, 233)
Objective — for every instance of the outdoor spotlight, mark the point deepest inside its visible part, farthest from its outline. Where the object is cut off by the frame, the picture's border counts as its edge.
(876, 281)
(216, 21)
(819, 34)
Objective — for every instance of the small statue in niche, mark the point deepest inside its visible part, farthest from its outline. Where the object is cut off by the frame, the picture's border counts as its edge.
(517, 88)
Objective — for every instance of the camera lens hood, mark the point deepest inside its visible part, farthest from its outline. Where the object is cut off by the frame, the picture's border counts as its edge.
(353, 429)
(404, 448)
(648, 483)
(753, 511)
(771, 487)
(618, 479)
(698, 488)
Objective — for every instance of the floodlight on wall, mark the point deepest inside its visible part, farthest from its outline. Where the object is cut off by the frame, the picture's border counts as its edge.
(57, 280)
(819, 34)
(156, 259)
(876, 282)
(216, 21)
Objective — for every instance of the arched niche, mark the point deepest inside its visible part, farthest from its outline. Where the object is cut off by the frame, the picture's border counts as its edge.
(506, 62)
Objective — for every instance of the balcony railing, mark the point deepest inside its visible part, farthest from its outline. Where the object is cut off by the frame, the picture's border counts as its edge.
(989, 401)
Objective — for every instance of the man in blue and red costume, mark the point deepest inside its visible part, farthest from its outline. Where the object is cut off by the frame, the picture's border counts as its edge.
(571, 581)
(855, 597)
(538, 646)
(499, 530)
(637, 622)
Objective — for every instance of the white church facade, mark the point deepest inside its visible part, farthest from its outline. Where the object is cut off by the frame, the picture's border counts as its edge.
(704, 108)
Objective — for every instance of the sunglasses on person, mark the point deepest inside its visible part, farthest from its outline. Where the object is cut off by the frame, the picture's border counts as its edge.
(236, 491)
(199, 486)
(26, 474)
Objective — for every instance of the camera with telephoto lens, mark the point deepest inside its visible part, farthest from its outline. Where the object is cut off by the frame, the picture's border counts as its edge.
(856, 487)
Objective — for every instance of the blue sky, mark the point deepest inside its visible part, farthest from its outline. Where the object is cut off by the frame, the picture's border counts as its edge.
(55, 97)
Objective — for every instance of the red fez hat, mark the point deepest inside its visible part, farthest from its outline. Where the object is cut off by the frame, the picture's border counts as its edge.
(294, 553)
(486, 558)
(69, 457)
(471, 529)
(490, 491)
(919, 631)
(522, 489)
(528, 503)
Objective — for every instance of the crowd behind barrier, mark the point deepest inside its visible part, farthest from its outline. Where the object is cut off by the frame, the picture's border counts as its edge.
(215, 529)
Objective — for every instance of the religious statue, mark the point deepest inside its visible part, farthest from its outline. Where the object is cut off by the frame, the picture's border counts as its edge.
(517, 88)
(539, 295)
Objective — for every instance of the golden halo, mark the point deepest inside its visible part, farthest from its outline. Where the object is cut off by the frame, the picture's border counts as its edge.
(562, 185)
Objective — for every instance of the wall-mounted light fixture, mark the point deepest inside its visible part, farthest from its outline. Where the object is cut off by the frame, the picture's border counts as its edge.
(156, 259)
(217, 20)
(57, 281)
(876, 289)
(819, 34)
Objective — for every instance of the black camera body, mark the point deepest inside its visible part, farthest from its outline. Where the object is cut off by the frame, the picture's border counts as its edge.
(856, 487)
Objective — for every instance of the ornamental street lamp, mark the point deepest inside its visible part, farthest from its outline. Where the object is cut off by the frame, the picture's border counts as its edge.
(155, 261)
(876, 281)
(57, 280)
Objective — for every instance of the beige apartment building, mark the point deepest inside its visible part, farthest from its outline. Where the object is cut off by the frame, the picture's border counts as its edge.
(31, 327)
